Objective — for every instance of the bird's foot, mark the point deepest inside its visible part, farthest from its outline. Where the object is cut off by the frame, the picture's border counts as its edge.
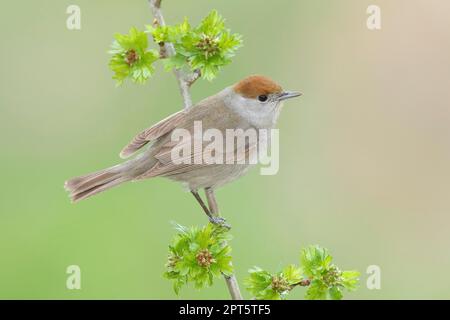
(221, 222)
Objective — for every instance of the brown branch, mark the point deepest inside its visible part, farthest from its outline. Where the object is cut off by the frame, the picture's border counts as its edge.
(190, 79)
(231, 281)
(185, 81)
(162, 45)
(303, 283)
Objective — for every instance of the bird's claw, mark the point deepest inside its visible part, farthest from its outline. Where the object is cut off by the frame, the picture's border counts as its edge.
(218, 221)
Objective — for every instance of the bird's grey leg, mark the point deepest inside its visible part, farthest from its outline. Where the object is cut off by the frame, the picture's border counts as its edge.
(202, 204)
(214, 209)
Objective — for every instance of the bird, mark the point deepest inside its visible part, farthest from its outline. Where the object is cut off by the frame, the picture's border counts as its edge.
(253, 103)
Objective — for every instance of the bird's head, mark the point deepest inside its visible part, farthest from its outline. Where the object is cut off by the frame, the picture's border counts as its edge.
(258, 99)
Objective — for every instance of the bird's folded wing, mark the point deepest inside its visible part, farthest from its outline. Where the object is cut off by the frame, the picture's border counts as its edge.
(153, 133)
(196, 159)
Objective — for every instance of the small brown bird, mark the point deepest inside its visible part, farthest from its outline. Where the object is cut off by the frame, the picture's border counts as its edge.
(253, 103)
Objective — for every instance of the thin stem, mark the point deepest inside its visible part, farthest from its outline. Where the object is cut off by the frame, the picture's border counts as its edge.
(233, 287)
(185, 81)
(303, 283)
(232, 284)
(193, 77)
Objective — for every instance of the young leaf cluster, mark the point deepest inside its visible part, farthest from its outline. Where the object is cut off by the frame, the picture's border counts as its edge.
(131, 57)
(323, 279)
(198, 255)
(264, 285)
(205, 49)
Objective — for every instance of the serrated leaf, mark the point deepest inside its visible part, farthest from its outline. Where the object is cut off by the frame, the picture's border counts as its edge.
(130, 57)
(335, 293)
(314, 260)
(270, 294)
(212, 24)
(350, 280)
(316, 291)
(174, 62)
(292, 274)
(200, 256)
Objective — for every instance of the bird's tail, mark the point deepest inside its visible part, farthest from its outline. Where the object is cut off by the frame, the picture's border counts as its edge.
(88, 185)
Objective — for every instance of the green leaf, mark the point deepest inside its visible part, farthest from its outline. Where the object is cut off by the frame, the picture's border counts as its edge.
(198, 256)
(316, 291)
(314, 260)
(335, 293)
(184, 27)
(270, 294)
(292, 274)
(131, 58)
(174, 62)
(212, 24)
(258, 283)
(350, 280)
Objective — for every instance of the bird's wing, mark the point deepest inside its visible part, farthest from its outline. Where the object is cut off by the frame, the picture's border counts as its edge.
(183, 118)
(195, 159)
(153, 133)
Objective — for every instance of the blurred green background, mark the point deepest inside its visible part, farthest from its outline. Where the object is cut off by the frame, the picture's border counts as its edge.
(364, 154)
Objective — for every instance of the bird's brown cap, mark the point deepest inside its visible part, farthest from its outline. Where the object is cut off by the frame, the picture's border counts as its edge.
(255, 86)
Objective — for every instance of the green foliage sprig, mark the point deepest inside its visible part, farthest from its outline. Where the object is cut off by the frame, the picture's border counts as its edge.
(207, 48)
(204, 49)
(264, 285)
(131, 57)
(323, 279)
(198, 256)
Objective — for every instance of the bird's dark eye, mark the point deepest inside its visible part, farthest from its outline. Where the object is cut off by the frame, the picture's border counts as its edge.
(263, 98)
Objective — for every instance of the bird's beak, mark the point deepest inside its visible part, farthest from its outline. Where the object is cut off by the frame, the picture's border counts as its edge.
(288, 95)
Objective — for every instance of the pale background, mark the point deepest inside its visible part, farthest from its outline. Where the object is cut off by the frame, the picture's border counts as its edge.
(364, 154)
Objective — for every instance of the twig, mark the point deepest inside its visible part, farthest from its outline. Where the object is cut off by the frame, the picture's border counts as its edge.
(193, 77)
(303, 283)
(232, 284)
(185, 81)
